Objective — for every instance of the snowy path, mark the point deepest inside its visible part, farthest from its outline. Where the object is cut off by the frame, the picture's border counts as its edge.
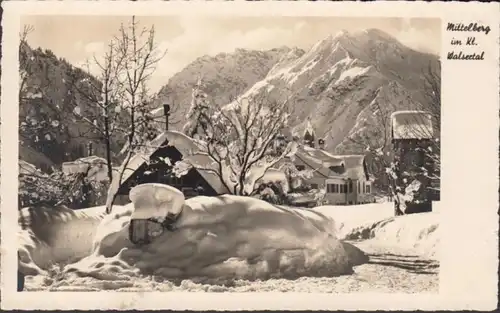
(389, 270)
(386, 271)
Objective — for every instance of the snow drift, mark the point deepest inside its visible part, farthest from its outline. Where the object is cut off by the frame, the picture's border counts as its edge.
(226, 237)
(413, 234)
(56, 235)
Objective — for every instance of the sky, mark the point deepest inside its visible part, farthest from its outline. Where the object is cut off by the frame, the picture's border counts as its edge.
(78, 38)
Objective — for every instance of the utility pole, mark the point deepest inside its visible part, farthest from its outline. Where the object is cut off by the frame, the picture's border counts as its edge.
(166, 111)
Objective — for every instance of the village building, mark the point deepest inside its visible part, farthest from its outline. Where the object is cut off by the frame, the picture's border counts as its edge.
(91, 177)
(154, 165)
(412, 140)
(354, 186)
(94, 168)
(345, 178)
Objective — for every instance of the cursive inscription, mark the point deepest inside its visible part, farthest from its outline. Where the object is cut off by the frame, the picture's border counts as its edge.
(467, 42)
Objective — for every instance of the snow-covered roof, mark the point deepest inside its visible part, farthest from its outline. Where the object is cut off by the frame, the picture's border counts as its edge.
(319, 160)
(93, 165)
(327, 159)
(27, 168)
(273, 175)
(92, 159)
(186, 146)
(322, 161)
(411, 125)
(355, 166)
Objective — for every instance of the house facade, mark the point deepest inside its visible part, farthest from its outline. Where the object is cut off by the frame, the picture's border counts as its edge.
(354, 186)
(344, 177)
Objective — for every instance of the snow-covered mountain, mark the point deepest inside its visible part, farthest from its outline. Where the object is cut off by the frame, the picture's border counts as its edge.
(337, 84)
(225, 76)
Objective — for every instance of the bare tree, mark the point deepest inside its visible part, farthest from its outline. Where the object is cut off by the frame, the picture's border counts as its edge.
(432, 105)
(239, 142)
(102, 115)
(137, 49)
(24, 64)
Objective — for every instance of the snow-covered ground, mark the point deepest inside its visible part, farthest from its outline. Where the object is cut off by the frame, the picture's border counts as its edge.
(376, 226)
(236, 244)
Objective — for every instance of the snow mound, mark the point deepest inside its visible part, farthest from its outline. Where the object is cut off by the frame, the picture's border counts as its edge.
(222, 238)
(347, 218)
(412, 234)
(156, 201)
(56, 235)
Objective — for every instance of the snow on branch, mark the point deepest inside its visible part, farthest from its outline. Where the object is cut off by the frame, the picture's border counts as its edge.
(238, 141)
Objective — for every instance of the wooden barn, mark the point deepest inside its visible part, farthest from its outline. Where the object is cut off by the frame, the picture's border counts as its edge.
(412, 140)
(154, 165)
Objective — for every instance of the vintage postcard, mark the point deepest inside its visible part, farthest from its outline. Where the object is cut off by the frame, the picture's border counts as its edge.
(249, 156)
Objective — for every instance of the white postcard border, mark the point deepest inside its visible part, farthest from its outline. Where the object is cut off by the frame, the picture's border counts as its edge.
(469, 226)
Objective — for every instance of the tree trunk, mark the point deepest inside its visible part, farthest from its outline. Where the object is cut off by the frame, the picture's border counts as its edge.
(107, 142)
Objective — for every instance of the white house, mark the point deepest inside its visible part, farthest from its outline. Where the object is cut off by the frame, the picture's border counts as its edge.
(344, 177)
(353, 186)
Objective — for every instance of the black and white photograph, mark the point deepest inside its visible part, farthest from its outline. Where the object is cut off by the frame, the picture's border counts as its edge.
(246, 154)
(250, 156)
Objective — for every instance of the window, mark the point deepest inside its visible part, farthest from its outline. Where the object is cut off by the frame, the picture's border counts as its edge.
(345, 188)
(364, 187)
(350, 186)
(368, 188)
(314, 186)
(336, 188)
(300, 167)
(329, 188)
(341, 188)
(359, 187)
(174, 181)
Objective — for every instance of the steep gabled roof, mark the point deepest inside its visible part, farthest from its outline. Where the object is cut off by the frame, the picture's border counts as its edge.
(411, 125)
(322, 161)
(309, 133)
(319, 160)
(186, 146)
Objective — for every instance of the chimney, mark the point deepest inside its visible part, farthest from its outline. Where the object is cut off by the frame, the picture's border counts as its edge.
(321, 144)
(166, 111)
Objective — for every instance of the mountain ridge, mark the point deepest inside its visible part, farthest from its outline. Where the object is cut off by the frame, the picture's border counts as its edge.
(338, 84)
